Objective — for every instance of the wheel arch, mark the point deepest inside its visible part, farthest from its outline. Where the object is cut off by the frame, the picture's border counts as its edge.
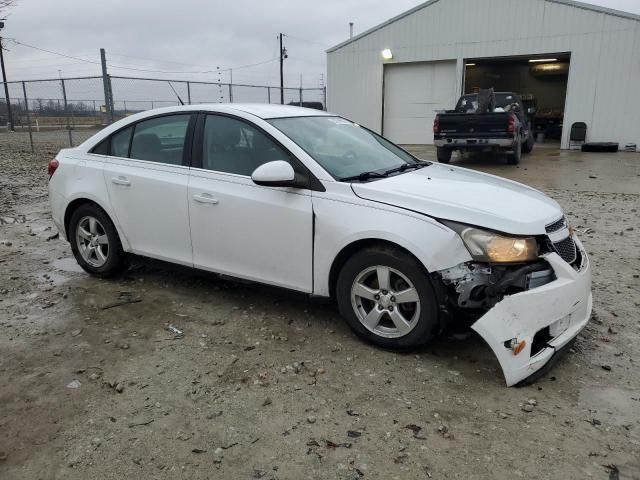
(350, 249)
(84, 200)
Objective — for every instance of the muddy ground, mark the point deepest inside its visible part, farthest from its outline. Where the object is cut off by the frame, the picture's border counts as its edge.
(266, 383)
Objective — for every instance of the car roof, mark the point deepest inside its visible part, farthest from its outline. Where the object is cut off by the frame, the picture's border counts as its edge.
(261, 110)
(266, 110)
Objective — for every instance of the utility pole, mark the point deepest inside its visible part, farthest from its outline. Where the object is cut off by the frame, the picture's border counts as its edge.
(283, 55)
(6, 85)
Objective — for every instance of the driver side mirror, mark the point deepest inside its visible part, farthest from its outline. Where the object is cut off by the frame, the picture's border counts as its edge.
(277, 173)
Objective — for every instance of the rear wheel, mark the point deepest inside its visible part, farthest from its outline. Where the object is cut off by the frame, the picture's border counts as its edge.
(95, 242)
(387, 298)
(528, 145)
(514, 157)
(444, 154)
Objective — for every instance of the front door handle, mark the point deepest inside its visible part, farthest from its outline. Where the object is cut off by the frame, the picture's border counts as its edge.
(121, 181)
(205, 198)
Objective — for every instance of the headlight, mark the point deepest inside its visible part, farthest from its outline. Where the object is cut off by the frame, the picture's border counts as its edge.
(485, 246)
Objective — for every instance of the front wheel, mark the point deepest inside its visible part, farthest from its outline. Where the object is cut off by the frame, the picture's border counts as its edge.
(387, 298)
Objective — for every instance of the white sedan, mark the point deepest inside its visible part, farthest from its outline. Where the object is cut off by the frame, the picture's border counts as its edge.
(310, 201)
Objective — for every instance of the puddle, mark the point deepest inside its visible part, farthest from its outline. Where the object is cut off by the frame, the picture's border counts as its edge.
(623, 406)
(68, 264)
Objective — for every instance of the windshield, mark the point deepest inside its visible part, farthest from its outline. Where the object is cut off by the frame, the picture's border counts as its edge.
(341, 147)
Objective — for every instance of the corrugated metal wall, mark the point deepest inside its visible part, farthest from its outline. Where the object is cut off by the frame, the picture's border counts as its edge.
(605, 63)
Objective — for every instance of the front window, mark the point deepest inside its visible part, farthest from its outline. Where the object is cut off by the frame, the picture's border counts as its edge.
(233, 146)
(343, 148)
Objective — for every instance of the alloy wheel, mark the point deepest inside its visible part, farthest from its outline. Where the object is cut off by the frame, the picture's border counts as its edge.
(385, 301)
(92, 241)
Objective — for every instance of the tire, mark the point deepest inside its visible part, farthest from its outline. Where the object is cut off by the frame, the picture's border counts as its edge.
(514, 157)
(528, 145)
(444, 154)
(419, 310)
(89, 228)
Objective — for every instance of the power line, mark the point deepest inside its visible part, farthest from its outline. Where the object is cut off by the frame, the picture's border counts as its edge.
(132, 67)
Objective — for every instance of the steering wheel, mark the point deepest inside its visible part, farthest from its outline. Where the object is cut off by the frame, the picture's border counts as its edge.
(349, 155)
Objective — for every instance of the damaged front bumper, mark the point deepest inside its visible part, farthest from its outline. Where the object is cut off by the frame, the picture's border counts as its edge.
(546, 318)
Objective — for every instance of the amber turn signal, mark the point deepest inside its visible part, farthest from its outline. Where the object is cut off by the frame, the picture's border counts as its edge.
(519, 347)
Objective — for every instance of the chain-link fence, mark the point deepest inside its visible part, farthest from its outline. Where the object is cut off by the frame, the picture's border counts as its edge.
(55, 113)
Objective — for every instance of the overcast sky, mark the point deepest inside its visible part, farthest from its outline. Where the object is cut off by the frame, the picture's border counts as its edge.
(178, 36)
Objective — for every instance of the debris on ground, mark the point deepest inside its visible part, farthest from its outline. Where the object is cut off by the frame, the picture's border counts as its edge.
(175, 330)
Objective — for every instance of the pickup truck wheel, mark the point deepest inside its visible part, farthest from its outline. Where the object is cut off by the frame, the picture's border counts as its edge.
(514, 157)
(387, 298)
(444, 154)
(95, 242)
(528, 145)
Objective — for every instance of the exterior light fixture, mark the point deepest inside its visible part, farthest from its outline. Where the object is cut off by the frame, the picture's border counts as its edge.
(543, 60)
(470, 64)
(386, 54)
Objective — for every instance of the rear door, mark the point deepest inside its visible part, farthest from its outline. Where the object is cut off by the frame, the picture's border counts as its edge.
(240, 228)
(147, 175)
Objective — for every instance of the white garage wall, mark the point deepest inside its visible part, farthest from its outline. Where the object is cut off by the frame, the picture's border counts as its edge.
(605, 64)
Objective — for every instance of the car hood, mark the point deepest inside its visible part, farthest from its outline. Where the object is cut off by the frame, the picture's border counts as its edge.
(466, 196)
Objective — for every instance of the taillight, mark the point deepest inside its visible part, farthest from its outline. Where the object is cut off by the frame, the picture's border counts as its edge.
(53, 165)
(511, 126)
(436, 125)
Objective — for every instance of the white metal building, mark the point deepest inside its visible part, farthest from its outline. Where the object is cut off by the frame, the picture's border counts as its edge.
(436, 46)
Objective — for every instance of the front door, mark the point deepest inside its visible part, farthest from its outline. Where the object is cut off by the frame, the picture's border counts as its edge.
(147, 185)
(242, 229)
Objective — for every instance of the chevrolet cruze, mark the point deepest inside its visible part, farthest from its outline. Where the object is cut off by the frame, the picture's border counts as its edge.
(310, 201)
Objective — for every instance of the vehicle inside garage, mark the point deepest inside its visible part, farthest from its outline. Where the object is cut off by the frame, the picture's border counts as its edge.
(540, 80)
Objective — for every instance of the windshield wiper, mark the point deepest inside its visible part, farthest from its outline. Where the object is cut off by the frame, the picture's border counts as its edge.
(407, 166)
(364, 176)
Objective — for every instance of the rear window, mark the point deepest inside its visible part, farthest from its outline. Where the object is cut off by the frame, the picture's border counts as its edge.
(120, 143)
(469, 103)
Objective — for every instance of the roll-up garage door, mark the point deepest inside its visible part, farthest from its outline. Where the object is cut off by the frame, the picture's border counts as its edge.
(412, 94)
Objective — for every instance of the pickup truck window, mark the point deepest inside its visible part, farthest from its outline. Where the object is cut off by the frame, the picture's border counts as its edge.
(469, 103)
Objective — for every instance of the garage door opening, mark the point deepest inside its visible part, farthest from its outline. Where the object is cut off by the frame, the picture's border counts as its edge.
(541, 81)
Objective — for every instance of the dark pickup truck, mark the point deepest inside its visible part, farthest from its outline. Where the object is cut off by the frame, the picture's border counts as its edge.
(485, 122)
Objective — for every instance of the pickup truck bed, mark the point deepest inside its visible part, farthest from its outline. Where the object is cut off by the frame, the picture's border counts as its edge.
(465, 130)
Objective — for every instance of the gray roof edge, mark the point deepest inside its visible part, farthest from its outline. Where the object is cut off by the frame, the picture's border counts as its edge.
(383, 24)
(571, 3)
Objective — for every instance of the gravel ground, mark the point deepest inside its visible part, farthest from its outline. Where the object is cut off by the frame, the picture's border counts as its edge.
(266, 383)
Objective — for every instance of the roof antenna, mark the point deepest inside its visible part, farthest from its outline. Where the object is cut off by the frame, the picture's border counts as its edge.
(174, 91)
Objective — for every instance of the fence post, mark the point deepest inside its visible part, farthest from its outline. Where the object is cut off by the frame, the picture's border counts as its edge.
(268, 94)
(230, 93)
(324, 97)
(26, 109)
(300, 96)
(189, 93)
(111, 102)
(66, 111)
(105, 85)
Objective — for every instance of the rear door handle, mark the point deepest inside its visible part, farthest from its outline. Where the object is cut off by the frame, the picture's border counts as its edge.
(205, 198)
(121, 181)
